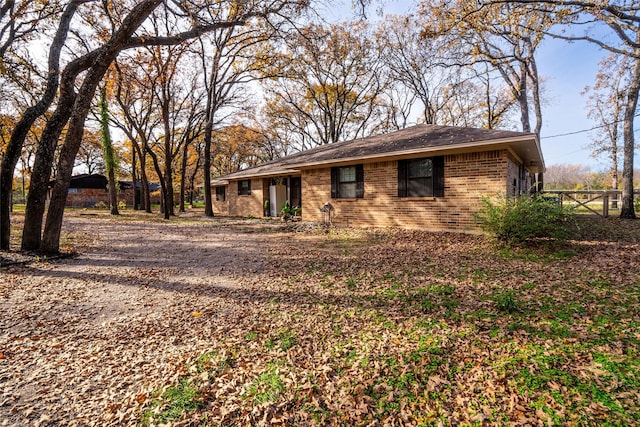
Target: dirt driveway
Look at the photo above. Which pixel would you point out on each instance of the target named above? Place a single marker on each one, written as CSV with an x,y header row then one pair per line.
x,y
82,338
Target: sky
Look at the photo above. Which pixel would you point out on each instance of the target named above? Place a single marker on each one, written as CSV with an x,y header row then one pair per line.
x,y
566,69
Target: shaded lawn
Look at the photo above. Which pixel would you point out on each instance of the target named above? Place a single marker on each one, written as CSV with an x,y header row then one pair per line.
x,y
412,328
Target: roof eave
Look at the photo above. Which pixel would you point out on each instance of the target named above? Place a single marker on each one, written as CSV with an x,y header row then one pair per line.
x,y
521,144
265,174
462,147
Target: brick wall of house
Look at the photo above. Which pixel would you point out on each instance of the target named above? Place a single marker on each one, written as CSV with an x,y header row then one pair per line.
x,y
514,183
220,207
467,178
246,205
89,197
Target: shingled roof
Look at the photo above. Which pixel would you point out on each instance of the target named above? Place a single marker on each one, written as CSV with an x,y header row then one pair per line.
x,y
403,143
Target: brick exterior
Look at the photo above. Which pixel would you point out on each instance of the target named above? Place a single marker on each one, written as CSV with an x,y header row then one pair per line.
x,y
468,177
245,205
221,207
89,197
519,181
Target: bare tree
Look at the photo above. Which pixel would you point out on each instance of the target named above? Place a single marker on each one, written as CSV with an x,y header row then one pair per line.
x,y
418,63
501,35
606,107
31,114
73,106
137,116
90,153
331,86
565,177
238,56
614,26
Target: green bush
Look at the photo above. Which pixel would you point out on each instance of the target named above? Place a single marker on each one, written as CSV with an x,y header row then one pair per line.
x,y
506,301
517,220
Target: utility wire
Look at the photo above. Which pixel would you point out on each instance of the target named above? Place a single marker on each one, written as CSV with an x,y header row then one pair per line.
x,y
585,130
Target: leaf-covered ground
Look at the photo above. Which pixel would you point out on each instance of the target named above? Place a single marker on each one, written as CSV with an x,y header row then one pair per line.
x,y
216,323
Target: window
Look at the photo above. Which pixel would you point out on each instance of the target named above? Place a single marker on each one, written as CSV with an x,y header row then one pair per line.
x,y
221,195
244,187
347,182
74,191
421,177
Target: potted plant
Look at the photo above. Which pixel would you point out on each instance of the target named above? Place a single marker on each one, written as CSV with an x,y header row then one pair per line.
x,y
288,212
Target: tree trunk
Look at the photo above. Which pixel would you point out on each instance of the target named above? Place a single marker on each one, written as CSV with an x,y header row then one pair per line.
x,y
43,163
168,195
208,202
193,179
614,175
109,154
113,192
136,201
627,210
16,142
535,80
104,57
183,174
163,183
523,100
168,158
144,182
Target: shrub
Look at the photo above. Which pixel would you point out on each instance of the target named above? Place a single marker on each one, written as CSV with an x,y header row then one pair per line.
x,y
506,301
518,220
288,212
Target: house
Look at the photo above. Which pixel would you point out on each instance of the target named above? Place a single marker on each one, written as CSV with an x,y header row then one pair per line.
x,y
426,176
154,192
85,191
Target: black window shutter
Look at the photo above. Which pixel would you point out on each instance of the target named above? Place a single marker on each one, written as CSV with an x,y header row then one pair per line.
x,y
334,183
249,187
239,188
402,178
438,176
359,181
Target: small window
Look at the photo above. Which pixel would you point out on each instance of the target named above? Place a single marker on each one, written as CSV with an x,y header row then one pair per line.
x,y
347,182
221,194
421,177
74,191
244,187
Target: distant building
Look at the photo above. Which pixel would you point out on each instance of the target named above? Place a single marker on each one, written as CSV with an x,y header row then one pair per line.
x,y
85,191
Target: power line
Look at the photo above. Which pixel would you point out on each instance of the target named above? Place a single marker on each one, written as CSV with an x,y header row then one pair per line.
x,y
586,130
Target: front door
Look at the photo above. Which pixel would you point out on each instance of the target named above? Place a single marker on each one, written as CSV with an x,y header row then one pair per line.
x,y
295,191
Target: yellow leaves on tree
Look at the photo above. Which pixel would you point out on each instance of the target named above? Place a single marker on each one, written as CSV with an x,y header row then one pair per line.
x,y
236,146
